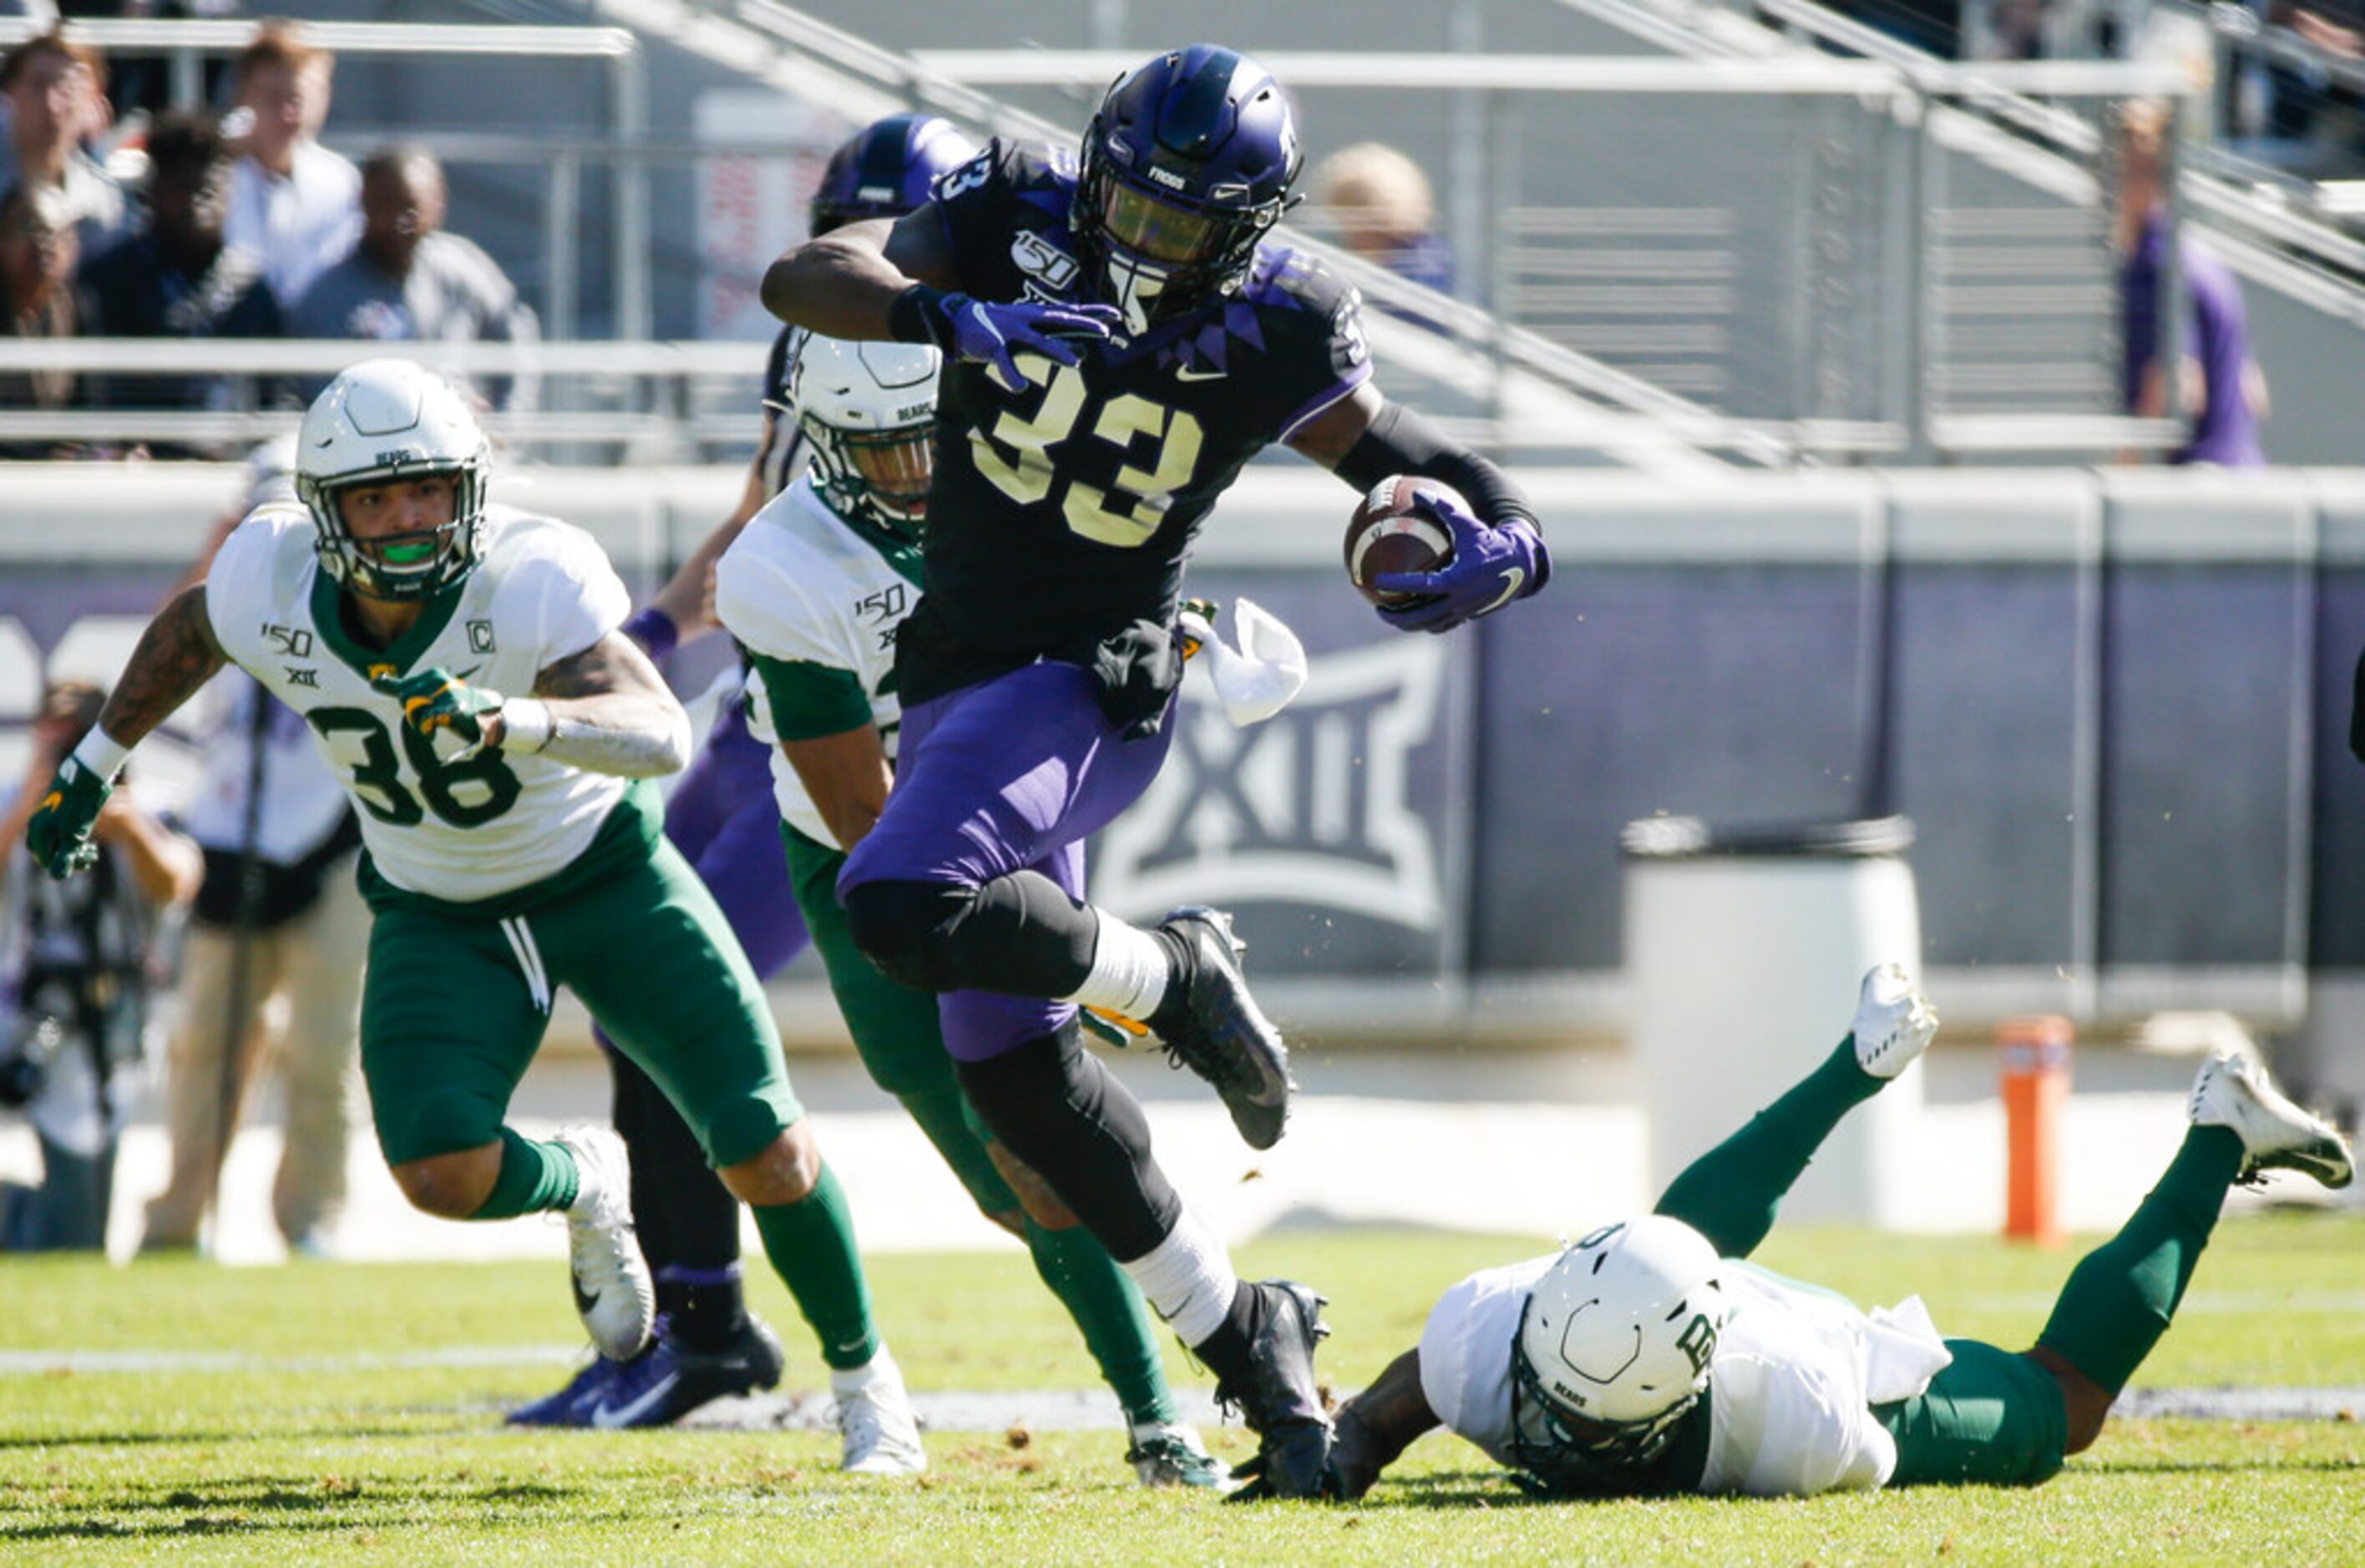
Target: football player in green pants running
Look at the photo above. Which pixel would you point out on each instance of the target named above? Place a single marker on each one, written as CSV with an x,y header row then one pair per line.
x,y
1649,1359
815,590
510,850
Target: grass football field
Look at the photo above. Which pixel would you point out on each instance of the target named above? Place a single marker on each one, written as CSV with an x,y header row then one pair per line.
x,y
327,1412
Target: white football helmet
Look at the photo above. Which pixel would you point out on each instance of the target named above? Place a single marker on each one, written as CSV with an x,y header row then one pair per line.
x,y
870,412
1614,1345
386,420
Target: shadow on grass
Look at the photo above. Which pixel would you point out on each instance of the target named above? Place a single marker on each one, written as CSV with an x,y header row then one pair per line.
x,y
2326,1464
330,1427
284,1505
1458,1489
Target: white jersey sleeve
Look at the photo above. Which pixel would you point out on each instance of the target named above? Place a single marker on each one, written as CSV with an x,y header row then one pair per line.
x,y
557,581
779,596
802,586
1465,1354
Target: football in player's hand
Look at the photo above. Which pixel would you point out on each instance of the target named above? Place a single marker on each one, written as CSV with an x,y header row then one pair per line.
x,y
1393,531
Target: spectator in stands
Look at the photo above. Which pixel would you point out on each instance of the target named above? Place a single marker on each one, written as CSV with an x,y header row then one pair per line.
x,y
177,277
292,201
408,281
271,971
55,92
2216,384
76,974
1381,202
38,251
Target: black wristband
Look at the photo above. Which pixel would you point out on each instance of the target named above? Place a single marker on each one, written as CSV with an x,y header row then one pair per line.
x,y
918,317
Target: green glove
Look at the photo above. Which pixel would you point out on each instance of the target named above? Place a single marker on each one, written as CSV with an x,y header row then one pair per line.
x,y
58,834
436,700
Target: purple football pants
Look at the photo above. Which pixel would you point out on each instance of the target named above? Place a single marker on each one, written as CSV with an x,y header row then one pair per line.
x,y
1007,775
723,819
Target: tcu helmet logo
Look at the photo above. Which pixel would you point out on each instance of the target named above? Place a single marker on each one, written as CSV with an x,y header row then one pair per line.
x,y
1311,807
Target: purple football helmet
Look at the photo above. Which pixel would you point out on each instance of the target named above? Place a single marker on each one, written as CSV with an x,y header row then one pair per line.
x,y
887,169
1188,161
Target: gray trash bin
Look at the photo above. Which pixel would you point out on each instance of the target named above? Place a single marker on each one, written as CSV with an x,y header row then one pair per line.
x,y
1744,949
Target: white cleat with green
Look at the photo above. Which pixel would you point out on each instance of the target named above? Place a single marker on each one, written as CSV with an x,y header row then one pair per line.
x,y
2233,1091
1894,1022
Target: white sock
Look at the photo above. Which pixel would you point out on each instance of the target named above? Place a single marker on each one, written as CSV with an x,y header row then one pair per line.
x,y
1130,971
1188,1277
854,1380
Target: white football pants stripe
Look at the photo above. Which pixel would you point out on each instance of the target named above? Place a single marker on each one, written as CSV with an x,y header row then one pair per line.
x,y
529,959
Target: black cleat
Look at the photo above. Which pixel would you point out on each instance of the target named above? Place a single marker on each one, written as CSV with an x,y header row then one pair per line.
x,y
1278,1397
1217,1030
670,1380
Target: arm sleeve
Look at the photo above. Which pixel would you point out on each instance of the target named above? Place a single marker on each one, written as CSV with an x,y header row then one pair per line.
x,y
1401,441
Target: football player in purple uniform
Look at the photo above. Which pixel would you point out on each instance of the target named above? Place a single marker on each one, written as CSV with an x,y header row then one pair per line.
x,y
724,819
1119,340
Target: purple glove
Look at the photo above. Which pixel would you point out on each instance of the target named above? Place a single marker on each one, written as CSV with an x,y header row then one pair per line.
x,y
1491,566
995,335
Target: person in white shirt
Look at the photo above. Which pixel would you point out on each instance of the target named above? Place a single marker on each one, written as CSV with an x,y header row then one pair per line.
x,y
292,201
1650,1360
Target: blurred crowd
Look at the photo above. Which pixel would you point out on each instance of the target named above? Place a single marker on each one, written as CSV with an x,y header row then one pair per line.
x,y
231,222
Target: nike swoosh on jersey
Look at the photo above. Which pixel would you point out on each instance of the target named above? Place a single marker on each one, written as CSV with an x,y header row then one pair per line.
x,y
1514,579
1193,373
624,1415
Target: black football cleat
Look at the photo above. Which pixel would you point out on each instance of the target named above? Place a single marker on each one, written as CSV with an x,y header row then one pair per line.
x,y
669,1379
1218,1031
1278,1398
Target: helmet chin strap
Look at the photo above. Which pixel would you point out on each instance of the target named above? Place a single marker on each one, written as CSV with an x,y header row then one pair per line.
x,y
1134,286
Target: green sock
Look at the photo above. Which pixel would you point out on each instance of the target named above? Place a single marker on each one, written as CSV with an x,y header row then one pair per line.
x,y
1109,1310
2119,1298
1730,1193
535,1176
811,1244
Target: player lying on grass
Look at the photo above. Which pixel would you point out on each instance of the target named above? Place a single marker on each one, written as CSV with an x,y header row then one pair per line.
x,y
721,816
509,852
1649,1359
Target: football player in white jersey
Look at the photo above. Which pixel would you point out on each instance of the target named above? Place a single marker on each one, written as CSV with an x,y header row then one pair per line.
x,y
460,665
1649,1359
815,590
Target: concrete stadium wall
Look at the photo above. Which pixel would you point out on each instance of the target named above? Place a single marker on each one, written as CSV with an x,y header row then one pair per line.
x,y
2115,705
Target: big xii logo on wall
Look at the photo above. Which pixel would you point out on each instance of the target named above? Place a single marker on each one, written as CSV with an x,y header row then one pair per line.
x,y
1323,826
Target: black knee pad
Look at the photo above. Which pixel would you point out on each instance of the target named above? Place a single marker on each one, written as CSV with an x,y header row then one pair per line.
x,y
904,928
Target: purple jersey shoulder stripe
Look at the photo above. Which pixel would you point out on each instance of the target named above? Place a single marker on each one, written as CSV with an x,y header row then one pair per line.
x,y
1337,389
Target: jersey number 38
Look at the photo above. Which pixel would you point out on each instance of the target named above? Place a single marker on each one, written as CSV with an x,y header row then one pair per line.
x,y
377,777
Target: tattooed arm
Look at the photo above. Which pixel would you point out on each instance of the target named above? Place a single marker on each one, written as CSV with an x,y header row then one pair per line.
x,y
176,656
605,710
